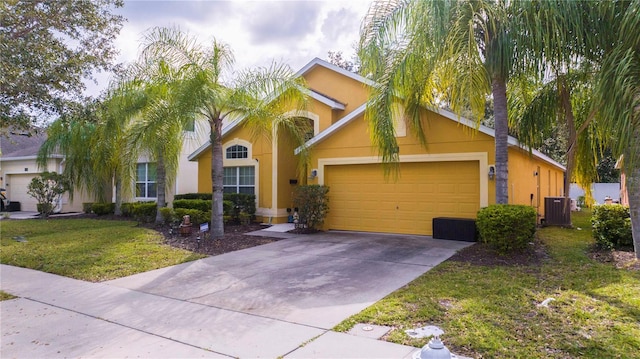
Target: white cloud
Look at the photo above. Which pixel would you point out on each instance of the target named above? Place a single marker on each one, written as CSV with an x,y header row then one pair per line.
x,y
258,32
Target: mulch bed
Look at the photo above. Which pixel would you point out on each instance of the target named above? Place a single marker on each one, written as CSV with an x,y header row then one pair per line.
x,y
235,237
483,255
620,259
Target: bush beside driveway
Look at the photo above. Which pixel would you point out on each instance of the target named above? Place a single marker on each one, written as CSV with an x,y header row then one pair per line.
x,y
492,309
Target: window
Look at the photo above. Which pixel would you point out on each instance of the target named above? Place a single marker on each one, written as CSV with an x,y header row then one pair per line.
x,y
239,180
190,126
146,180
237,151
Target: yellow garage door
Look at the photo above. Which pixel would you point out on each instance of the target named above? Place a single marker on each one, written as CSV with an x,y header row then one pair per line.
x,y
17,191
361,199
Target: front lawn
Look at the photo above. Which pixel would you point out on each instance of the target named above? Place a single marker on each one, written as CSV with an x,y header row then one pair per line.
x,y
493,311
87,249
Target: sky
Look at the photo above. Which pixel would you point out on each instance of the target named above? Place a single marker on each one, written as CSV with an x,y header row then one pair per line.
x,y
258,31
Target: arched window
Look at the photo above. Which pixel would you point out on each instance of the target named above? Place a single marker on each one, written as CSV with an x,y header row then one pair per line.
x,y
237,152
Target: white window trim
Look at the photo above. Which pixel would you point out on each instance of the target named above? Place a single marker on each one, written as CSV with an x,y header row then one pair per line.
x,y
243,162
237,176
135,182
399,120
308,115
238,162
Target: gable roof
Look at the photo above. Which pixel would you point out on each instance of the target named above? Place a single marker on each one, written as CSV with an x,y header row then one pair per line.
x,y
446,114
360,111
319,62
20,145
320,97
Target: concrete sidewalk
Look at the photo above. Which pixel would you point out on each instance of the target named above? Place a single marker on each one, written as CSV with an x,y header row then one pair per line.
x,y
36,215
276,300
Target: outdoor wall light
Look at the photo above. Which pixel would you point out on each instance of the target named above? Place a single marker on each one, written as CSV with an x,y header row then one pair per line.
x,y
314,174
492,172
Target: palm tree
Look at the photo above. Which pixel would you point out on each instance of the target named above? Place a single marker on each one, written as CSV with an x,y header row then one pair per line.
x,y
617,96
424,53
596,67
562,97
263,97
90,139
80,137
146,95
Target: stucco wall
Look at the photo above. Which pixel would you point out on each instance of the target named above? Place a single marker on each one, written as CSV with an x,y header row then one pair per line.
x,y
25,169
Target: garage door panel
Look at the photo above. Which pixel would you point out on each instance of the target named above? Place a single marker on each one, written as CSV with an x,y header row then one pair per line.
x,y
467,188
406,188
469,208
17,191
362,199
447,188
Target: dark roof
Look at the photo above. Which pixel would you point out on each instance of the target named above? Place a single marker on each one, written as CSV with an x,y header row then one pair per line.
x,y
21,143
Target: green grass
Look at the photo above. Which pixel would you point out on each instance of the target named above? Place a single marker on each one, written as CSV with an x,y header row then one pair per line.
x,y
493,312
6,296
87,249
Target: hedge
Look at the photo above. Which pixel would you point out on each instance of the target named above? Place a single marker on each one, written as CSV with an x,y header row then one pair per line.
x,y
611,224
507,227
102,209
237,207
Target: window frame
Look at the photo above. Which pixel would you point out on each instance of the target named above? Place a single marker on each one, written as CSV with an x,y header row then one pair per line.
x,y
237,152
237,186
146,182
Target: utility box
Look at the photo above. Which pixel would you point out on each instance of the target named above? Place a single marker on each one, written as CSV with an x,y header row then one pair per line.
x,y
459,229
557,211
13,207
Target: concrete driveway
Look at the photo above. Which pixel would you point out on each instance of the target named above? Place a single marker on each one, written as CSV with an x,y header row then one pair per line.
x,y
264,301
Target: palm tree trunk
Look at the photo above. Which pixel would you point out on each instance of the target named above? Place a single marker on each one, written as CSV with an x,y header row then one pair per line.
x,y
632,172
499,91
118,207
633,192
160,186
217,179
571,145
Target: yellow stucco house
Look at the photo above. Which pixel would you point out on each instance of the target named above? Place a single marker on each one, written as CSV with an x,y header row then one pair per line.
x,y
451,178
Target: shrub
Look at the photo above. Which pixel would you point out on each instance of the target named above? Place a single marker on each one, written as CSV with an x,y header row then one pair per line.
x,y
144,211
228,207
199,204
102,209
611,225
167,214
507,227
86,207
47,189
45,209
241,203
197,216
313,205
126,209
202,196
237,207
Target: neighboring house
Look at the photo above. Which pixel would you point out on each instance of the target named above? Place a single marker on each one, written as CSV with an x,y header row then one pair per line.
x,y
144,188
18,153
452,178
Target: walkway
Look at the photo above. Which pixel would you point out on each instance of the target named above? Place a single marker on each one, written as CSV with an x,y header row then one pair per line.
x,y
275,300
